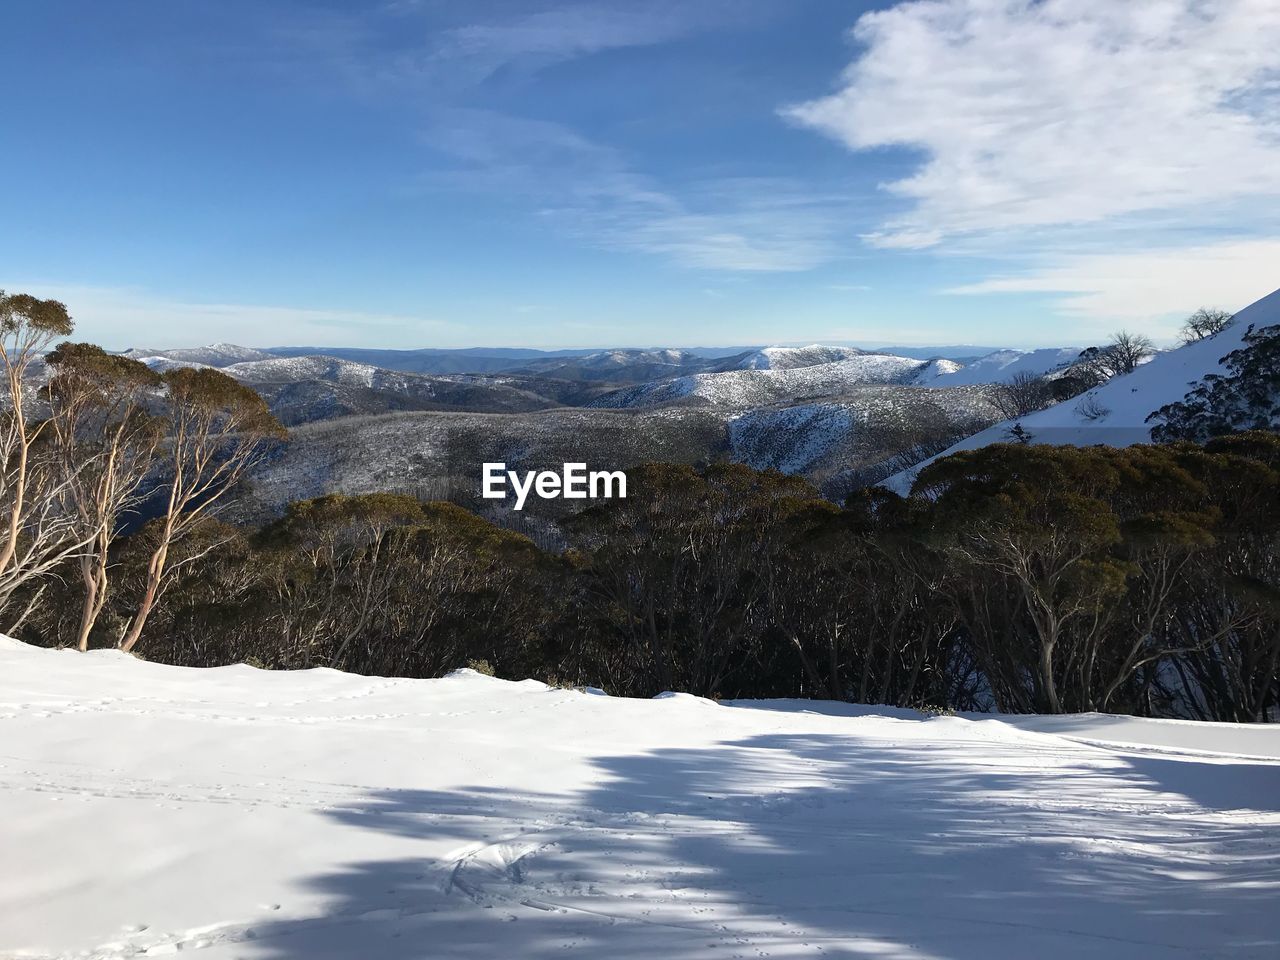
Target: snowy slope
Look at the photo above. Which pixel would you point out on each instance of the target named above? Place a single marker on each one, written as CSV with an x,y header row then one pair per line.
x,y
213,355
747,388
1003,365
1116,413
835,434
162,364
939,371
620,366
153,810
788,358
330,369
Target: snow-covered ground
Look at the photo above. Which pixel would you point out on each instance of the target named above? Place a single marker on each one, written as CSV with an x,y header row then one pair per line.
x,y
148,810
835,433
755,387
1003,365
789,358
213,355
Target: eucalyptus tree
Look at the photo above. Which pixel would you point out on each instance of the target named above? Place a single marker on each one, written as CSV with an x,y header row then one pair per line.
x,y
36,531
218,431
106,431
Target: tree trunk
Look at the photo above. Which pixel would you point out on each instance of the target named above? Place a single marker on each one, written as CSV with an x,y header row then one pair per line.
x,y
155,571
1047,686
94,597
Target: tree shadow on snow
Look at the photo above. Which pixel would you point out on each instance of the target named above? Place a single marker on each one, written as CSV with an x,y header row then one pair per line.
x,y
790,846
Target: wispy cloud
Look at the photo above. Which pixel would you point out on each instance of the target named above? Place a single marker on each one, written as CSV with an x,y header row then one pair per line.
x,y
1035,114
100,313
565,32
437,50
581,187
589,190
1153,291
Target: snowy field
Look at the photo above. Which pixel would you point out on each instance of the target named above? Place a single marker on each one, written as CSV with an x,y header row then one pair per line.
x,y
151,810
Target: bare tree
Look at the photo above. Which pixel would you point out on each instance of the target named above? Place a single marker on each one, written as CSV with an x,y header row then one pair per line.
x,y
1128,351
107,438
219,430
1205,322
1023,394
1124,354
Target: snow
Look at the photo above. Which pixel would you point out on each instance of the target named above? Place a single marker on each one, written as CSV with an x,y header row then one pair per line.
x,y
165,364
747,388
1003,365
839,432
213,355
939,371
292,369
151,810
788,358
1120,407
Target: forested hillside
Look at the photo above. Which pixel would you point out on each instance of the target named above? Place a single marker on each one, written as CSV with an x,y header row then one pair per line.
x,y
1018,576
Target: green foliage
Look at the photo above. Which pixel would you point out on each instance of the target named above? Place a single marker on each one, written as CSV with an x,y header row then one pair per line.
x,y
42,318
1141,580
1247,397
90,363
206,392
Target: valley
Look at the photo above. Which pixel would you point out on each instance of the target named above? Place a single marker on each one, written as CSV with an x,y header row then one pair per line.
x,y
825,413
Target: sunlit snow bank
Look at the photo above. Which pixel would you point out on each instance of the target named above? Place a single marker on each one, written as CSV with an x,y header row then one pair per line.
x,y
148,810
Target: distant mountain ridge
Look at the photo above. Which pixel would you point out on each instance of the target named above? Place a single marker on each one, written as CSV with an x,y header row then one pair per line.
x,y
213,355
787,358
755,386
304,388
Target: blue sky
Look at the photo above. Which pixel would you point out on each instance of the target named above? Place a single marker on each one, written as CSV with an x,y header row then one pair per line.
x,y
639,172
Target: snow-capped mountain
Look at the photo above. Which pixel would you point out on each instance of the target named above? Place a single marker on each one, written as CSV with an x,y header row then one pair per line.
x,y
621,366
1003,365
789,358
329,369
756,387
938,373
306,389
213,355
1115,413
161,364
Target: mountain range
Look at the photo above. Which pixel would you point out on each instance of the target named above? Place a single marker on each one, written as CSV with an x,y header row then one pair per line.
x,y
425,420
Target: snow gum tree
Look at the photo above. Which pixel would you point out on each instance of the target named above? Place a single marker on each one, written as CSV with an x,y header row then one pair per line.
x,y
106,436
677,572
219,430
36,532
1038,519
1245,397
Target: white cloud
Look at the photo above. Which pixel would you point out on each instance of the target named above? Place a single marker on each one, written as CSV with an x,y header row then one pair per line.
x,y
120,318
1034,113
1153,291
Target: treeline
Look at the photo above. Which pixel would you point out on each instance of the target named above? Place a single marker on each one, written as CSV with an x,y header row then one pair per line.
x,y
1028,578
